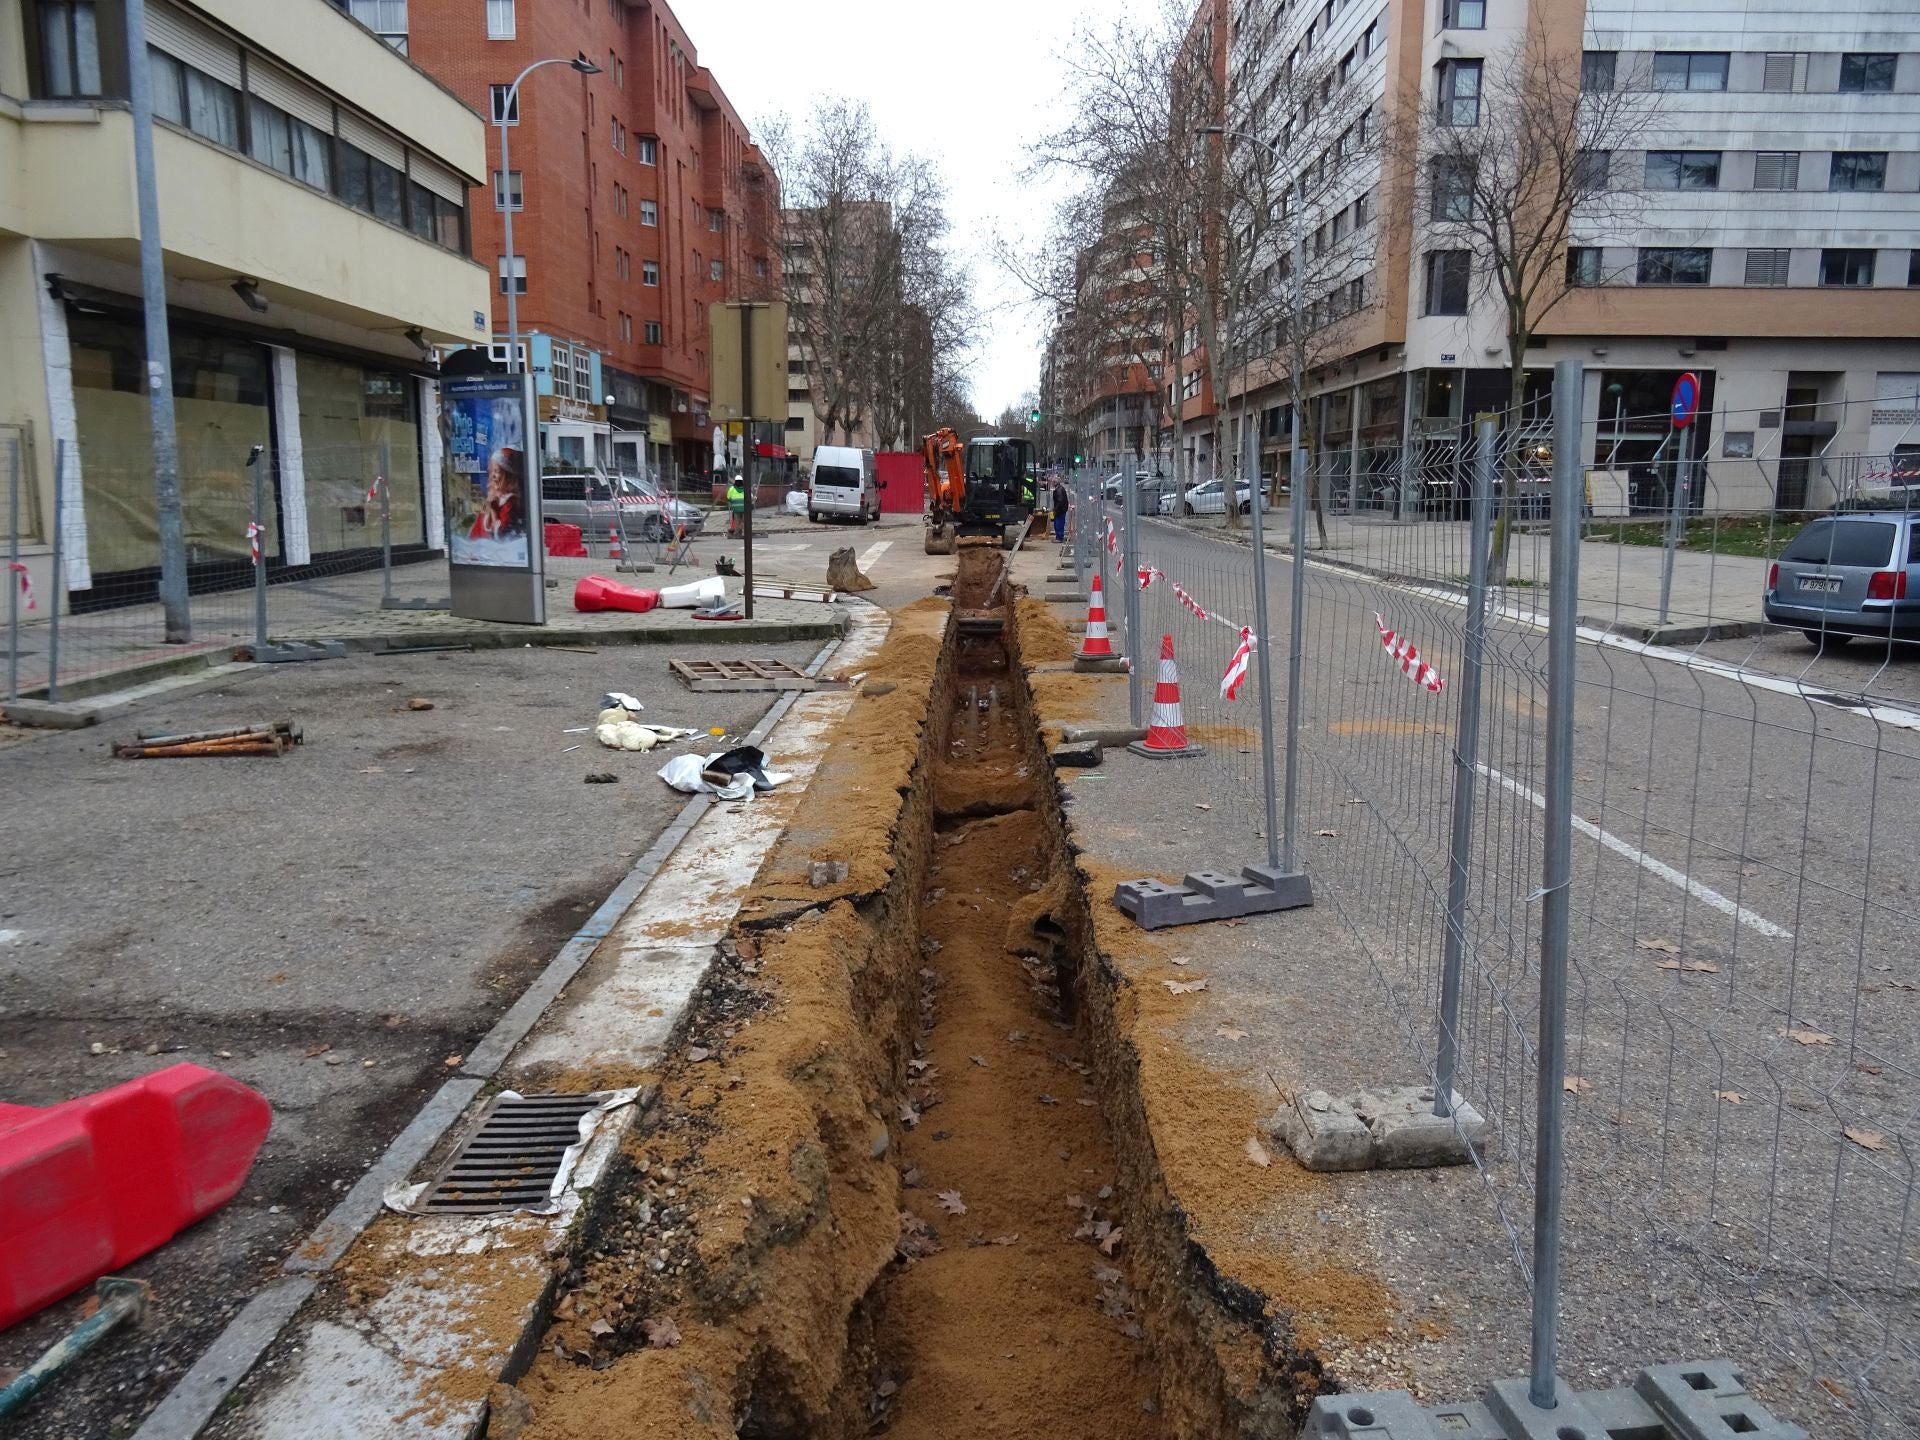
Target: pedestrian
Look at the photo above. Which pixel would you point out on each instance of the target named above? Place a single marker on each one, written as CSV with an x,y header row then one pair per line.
x,y
736,507
1059,511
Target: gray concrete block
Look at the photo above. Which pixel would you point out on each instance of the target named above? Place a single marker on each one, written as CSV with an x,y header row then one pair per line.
x,y
1409,1136
1210,895
1100,664
1324,1134
50,715
1101,734
1078,755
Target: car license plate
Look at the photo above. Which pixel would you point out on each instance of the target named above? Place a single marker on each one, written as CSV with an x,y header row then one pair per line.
x,y
1822,584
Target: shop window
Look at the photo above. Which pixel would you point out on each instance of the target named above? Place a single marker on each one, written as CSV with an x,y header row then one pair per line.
x,y
347,413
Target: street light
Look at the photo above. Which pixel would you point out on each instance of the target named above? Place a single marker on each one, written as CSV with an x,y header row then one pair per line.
x,y
510,106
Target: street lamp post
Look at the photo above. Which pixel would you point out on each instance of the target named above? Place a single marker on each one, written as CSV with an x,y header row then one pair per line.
x,y
510,106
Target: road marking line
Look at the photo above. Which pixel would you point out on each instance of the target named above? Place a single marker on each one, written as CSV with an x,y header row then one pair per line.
x,y
872,553
1705,894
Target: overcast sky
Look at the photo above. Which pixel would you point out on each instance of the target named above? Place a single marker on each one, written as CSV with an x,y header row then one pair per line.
x,y
966,84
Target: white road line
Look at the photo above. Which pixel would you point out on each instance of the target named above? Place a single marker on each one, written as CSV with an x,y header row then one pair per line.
x,y
1704,894
872,553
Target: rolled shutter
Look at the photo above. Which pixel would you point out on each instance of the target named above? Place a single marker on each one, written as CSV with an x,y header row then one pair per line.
x,y
278,88
187,39
437,178
376,143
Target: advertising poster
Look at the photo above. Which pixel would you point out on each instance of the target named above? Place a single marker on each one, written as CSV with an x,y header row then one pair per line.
x,y
486,471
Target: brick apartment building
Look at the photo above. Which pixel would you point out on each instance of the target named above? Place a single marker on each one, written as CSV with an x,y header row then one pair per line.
x,y
640,200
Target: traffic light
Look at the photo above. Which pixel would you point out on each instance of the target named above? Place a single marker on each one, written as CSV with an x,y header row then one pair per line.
x,y
1033,416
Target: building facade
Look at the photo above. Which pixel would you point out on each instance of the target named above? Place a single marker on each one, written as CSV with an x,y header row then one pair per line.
x,y
639,201
1770,247
313,211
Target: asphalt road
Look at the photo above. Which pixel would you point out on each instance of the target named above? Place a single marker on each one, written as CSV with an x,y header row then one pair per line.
x,y
1743,1052
329,927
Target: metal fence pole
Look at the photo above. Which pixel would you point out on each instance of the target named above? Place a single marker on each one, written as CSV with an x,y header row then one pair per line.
x,y
259,538
1676,511
13,571
1262,645
1556,875
1130,580
55,585
1297,500
386,528
1466,761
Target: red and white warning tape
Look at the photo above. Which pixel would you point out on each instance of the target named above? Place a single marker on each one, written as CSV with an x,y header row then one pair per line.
x,y
25,583
254,532
1411,665
1236,677
1148,574
373,490
1113,539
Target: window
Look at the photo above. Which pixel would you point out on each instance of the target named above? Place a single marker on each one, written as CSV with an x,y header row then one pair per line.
x,y
1776,170
620,200
1357,293
1596,70
716,220
516,266
649,210
290,146
1866,74
1340,222
1767,267
69,48
192,98
1459,92
507,191
626,327
369,184
1683,169
1913,267
647,152
760,267
1784,71
1463,14
1846,267
1362,211
500,19
1583,264
386,18
716,271
1858,170
1689,70
622,264
1375,37
1447,276
1590,171
619,71
649,272
650,331
1665,266
619,134
503,104
434,218
1452,188
1843,542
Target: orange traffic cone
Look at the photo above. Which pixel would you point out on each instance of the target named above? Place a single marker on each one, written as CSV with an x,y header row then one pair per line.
x,y
1096,646
614,549
1167,732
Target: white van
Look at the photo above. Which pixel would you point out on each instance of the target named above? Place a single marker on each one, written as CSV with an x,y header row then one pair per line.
x,y
844,485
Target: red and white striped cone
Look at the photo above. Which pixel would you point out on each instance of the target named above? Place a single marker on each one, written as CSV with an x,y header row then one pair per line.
x,y
1096,646
1166,731
614,549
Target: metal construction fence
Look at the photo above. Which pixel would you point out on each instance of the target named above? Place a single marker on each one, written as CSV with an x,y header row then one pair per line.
x,y
1631,866
85,609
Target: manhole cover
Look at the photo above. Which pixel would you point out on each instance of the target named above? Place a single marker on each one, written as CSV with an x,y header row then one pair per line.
x,y
510,1161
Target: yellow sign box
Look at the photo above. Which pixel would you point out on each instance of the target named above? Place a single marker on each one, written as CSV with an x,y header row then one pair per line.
x,y
742,334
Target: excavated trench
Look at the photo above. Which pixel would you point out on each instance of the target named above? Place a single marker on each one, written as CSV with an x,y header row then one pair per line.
x,y
898,1179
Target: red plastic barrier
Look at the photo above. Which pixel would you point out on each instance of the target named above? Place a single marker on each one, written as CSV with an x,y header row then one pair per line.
x,y
92,1184
596,592
564,540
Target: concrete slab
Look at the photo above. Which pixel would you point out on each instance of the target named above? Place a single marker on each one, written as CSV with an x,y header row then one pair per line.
x,y
49,715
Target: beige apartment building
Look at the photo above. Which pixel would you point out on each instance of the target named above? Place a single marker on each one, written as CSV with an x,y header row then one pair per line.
x,y
313,190
1773,249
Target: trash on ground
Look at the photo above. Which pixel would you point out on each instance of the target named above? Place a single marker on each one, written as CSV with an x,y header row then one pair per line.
x,y
603,777
721,609
694,593
622,733
725,566
419,703
729,774
796,502
622,699
256,739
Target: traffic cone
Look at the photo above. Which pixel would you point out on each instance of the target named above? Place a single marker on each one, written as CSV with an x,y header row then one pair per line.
x,y
1096,646
614,549
1166,732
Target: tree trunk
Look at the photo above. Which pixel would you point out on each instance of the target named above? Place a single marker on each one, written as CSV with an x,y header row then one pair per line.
x,y
1509,458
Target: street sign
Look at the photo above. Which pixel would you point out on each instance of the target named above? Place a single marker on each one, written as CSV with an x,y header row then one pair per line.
x,y
1686,400
742,337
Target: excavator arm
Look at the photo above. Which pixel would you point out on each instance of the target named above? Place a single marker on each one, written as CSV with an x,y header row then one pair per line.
x,y
946,479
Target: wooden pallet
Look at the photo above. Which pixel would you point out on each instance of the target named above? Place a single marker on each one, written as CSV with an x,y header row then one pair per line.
x,y
813,593
747,675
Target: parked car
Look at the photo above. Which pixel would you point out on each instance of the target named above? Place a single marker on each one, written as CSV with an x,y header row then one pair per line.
x,y
845,485
1849,574
1209,498
649,511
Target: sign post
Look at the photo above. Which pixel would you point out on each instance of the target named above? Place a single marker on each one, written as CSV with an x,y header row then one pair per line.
x,y
748,358
1683,408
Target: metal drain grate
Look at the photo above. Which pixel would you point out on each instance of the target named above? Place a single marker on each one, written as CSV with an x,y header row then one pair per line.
x,y
510,1161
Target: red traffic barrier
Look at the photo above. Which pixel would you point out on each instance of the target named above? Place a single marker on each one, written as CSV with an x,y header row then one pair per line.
x,y
596,592
564,540
89,1185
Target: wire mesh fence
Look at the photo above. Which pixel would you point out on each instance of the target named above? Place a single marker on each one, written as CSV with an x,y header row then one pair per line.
x,y
1738,1084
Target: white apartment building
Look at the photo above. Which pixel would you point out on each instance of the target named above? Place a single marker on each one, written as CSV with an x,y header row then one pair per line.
x,y
1773,249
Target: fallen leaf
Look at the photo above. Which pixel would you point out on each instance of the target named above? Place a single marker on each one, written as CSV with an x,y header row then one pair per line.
x,y
1111,1242
1185,987
910,1177
916,1240
1257,1153
452,1060
909,1116
1806,1037
1179,959
600,1327
981,1061
916,1066
1732,1097
313,1050
1005,1240
1665,947
1866,1069
1576,1085
278,977
1326,832
1203,807
1048,1100
951,1202
1832,1387
1085,1101
697,1054
662,1334
1014,1037
1229,1032
1865,1139
1694,967
418,704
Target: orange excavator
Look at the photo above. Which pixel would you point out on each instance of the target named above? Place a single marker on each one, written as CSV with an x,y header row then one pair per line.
x,y
986,486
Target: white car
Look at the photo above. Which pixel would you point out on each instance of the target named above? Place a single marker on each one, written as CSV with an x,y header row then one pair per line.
x,y
1208,498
